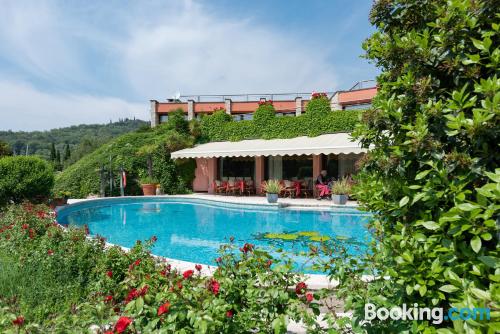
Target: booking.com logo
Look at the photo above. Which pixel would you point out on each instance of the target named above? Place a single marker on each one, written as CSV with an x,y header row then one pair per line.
x,y
435,314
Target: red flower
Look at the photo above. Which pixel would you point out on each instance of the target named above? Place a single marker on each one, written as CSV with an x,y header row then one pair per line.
x,y
269,263
198,267
164,308
218,260
179,285
229,313
26,226
309,297
144,290
109,273
154,238
19,321
108,332
41,214
188,273
163,272
214,286
122,324
133,294
247,248
50,252
137,262
108,299
31,233
300,288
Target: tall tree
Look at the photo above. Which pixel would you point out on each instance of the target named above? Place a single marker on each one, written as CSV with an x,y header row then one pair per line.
x,y
5,149
67,152
432,177
53,154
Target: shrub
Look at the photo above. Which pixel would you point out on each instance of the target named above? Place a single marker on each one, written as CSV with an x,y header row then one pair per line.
x,y
432,177
24,178
67,282
264,114
5,149
341,187
318,106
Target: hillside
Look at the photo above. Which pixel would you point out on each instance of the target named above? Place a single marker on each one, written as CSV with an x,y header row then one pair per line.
x,y
80,138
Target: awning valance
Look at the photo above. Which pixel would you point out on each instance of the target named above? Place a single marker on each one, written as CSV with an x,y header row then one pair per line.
x,y
336,143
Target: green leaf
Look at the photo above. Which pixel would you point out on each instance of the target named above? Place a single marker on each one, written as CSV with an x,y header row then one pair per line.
x,y
422,290
484,295
468,206
489,261
448,288
423,174
475,243
404,201
430,225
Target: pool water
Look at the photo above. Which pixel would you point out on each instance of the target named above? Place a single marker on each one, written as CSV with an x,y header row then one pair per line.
x,y
192,230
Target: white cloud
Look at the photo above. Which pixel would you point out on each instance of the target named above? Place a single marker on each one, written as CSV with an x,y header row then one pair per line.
x,y
147,50
22,107
196,52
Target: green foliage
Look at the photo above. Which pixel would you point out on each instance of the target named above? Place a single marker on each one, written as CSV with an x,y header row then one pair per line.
x,y
264,114
135,152
272,187
5,149
40,142
341,187
221,127
66,282
318,107
25,178
432,178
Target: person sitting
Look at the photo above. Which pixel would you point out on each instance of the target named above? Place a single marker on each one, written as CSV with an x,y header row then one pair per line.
x,y
323,185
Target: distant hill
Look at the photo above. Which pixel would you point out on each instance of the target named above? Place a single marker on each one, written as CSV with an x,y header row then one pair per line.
x,y
81,139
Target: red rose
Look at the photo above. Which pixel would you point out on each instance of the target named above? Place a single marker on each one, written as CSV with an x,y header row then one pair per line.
x,y
164,308
309,297
122,324
179,285
109,273
31,233
26,226
218,260
41,214
214,286
109,332
163,272
108,299
188,273
137,262
19,321
50,252
133,294
144,290
229,313
198,267
300,288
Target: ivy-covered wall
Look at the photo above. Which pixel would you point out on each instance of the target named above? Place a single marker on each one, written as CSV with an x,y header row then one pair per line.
x,y
318,119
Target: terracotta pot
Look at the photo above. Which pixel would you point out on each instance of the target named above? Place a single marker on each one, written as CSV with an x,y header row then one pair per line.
x,y
149,189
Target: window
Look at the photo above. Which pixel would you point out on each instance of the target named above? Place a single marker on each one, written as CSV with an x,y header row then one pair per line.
x,y
357,106
243,117
163,118
286,114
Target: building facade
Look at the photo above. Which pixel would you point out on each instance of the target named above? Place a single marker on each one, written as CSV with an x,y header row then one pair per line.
x,y
242,107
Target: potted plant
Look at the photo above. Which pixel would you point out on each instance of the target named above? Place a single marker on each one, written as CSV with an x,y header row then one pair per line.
x,y
148,184
60,198
340,191
272,188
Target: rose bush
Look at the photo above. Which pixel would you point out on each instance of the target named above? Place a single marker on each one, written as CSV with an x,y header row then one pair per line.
x,y
67,282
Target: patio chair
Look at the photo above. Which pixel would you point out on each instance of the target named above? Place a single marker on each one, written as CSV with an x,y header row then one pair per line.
x,y
248,187
232,186
219,187
307,188
288,188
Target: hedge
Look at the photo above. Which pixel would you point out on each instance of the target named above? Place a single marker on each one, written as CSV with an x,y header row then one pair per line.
x,y
220,126
25,178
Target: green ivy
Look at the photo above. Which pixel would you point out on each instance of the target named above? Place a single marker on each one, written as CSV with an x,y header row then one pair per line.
x,y
221,127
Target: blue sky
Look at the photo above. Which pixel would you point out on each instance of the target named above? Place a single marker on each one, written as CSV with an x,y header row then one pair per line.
x,y
69,62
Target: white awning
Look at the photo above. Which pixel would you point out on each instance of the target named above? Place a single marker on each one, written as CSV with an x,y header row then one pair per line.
x,y
336,143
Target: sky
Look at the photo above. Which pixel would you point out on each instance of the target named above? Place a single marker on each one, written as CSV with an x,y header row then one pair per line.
x,y
71,62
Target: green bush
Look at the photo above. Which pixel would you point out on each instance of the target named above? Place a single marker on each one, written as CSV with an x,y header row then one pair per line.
x,y
5,149
264,114
318,106
68,283
221,127
432,178
25,178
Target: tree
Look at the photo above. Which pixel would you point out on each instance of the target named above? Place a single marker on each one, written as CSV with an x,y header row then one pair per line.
x,y
67,152
432,177
5,149
53,154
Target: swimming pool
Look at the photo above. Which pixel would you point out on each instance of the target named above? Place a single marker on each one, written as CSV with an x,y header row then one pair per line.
x,y
192,230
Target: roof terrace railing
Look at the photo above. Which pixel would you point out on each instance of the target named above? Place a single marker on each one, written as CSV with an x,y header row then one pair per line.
x,y
364,84
246,97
